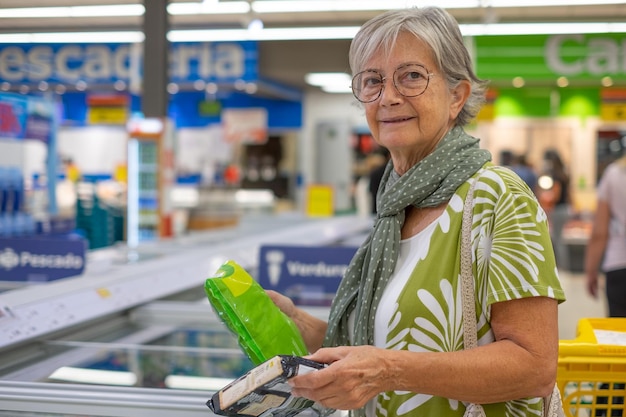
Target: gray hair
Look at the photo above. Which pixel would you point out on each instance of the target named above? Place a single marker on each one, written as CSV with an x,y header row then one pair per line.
x,y
439,30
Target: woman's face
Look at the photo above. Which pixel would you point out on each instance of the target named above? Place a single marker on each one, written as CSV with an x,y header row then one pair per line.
x,y
411,127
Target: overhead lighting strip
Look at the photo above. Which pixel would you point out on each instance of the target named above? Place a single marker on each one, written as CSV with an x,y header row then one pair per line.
x,y
303,6
73,37
267,34
231,7
542,28
279,6
550,3
116,10
303,33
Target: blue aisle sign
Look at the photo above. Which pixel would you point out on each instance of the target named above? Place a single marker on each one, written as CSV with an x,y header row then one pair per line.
x,y
107,62
309,275
41,259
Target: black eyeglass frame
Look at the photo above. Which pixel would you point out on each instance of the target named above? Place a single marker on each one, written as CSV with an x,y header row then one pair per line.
x,y
383,79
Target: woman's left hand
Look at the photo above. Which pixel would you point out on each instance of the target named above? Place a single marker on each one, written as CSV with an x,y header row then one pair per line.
x,y
354,376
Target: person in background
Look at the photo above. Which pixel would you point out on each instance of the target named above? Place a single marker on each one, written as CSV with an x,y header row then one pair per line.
x,y
394,340
376,175
607,244
506,158
525,171
72,172
557,199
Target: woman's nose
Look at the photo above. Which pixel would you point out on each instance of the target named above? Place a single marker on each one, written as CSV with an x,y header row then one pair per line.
x,y
389,94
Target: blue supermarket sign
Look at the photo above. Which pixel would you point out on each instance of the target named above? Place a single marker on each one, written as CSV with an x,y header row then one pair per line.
x,y
26,117
41,259
309,275
106,63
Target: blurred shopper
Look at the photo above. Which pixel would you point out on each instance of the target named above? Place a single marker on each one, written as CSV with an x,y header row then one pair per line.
x,y
606,248
394,341
376,175
525,171
555,198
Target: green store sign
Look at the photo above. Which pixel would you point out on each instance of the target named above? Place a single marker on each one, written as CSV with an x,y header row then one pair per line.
x,y
579,57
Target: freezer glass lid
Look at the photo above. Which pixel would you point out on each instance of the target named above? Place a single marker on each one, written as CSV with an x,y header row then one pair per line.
x,y
181,358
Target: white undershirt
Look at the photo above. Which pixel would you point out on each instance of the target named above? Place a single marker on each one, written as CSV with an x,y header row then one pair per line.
x,y
411,251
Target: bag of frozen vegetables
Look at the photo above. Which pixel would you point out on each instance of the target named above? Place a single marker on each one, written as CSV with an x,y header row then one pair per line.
x,y
262,330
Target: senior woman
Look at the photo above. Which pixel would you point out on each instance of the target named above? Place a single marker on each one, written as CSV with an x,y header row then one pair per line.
x,y
394,340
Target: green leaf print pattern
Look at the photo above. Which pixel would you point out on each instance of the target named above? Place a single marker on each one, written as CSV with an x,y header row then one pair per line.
x,y
514,259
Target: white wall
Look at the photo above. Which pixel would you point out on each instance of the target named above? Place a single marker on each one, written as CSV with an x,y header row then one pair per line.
x,y
94,149
319,106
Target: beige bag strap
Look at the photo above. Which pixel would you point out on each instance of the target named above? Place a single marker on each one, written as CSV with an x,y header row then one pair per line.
x,y
470,334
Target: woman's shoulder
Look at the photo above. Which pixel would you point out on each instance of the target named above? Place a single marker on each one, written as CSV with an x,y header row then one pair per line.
x,y
496,179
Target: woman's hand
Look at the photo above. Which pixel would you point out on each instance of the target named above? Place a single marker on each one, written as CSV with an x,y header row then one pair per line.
x,y
355,375
283,303
311,328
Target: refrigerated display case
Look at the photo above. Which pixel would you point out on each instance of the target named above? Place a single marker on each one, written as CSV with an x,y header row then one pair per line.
x,y
150,166
139,339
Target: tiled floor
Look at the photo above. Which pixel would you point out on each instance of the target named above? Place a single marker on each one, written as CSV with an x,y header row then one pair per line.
x,y
579,304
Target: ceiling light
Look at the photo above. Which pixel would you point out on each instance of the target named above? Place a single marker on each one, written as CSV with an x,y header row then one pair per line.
x,y
255,25
303,6
267,34
337,89
541,28
282,6
74,11
229,7
211,88
301,33
545,182
330,82
172,88
276,6
319,79
607,81
110,10
348,32
539,3
73,37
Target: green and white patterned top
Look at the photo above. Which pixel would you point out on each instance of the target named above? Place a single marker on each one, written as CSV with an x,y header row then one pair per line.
x,y
512,258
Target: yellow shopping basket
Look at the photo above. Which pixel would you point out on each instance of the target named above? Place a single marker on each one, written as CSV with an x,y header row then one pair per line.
x,y
592,369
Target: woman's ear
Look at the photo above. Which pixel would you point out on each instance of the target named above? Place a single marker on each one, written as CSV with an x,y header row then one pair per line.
x,y
459,95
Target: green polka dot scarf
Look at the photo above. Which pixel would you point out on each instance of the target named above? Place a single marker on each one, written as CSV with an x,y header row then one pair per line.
x,y
429,183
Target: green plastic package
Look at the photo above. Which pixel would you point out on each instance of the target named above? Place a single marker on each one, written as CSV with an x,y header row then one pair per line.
x,y
263,331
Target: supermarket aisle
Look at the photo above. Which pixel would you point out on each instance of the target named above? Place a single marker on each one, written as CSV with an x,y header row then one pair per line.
x,y
578,305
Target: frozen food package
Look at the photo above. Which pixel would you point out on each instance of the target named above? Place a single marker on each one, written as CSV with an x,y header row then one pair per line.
x,y
262,330
264,391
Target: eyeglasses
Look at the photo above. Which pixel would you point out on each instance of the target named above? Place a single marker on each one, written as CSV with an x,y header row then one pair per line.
x,y
410,80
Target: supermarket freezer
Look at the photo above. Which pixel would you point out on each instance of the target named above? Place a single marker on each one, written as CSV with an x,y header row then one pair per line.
x,y
152,346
